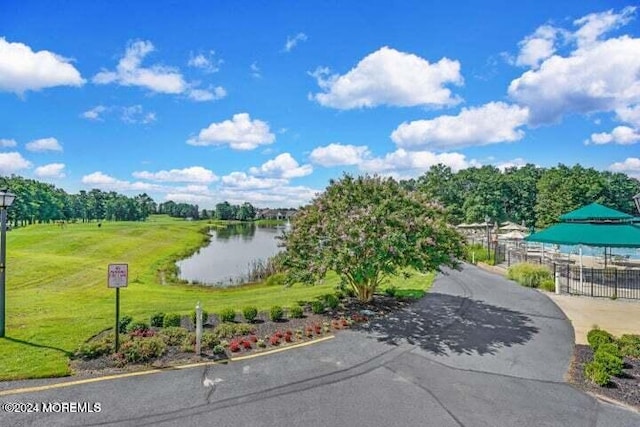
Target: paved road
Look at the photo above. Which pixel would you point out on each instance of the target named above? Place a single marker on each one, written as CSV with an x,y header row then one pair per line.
x,y
477,351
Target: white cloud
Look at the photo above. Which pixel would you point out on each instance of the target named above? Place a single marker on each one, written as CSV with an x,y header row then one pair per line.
x,y
630,115
491,123
594,25
390,77
255,70
630,166
211,94
240,133
52,170
44,144
135,114
282,196
598,76
414,163
514,163
622,135
6,143
106,182
538,46
207,63
283,166
242,181
198,199
94,113
22,69
293,41
12,163
339,155
196,174
129,72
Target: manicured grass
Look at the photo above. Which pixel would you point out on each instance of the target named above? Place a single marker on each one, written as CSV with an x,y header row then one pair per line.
x,y
57,295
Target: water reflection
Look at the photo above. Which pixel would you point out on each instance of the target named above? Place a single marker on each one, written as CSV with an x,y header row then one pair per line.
x,y
232,251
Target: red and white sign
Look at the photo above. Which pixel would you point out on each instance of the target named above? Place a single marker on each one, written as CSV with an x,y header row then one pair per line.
x,y
118,275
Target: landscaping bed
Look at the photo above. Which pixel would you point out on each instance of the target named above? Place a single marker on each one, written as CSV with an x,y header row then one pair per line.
x,y
143,346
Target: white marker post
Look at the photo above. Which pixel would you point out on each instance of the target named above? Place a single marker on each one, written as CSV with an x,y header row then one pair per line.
x,y
198,329
118,277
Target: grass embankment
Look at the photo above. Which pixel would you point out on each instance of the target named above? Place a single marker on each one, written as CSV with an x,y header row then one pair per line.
x,y
57,295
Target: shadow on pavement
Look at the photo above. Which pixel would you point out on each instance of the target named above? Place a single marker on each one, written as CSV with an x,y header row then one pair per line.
x,y
442,323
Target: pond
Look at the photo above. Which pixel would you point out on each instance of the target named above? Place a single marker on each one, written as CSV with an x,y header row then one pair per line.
x,y
230,254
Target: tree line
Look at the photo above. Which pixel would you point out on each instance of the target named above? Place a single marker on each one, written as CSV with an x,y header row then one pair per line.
x,y
531,195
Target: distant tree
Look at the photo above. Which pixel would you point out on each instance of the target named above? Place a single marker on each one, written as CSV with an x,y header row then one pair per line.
x,y
366,229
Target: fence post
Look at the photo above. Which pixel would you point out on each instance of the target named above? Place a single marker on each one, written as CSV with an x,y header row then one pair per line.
x,y
592,280
568,271
615,286
556,278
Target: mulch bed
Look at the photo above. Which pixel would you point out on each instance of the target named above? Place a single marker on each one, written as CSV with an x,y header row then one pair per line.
x,y
263,327
625,389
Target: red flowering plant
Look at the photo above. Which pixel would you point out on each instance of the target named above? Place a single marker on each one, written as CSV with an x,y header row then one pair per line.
x,y
234,345
274,340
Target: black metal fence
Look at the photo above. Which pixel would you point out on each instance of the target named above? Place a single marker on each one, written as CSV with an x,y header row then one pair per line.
x,y
609,282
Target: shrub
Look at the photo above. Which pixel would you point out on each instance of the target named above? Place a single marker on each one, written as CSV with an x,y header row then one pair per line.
x,y
209,341
173,335
157,320
529,275
629,345
331,301
205,317
95,349
390,291
548,285
317,307
278,279
611,348
137,326
218,349
596,337
171,320
250,314
276,313
124,323
189,343
597,373
610,362
228,315
230,330
478,253
261,344
234,345
296,312
142,350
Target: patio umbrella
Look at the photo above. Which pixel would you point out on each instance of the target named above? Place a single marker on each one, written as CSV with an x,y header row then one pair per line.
x,y
513,227
513,235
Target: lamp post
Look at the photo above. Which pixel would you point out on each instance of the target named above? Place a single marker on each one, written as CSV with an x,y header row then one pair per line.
x,y
6,199
486,223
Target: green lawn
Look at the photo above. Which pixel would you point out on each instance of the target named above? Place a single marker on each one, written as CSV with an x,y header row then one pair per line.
x,y
57,296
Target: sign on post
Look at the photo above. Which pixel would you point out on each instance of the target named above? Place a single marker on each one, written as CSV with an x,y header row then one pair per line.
x,y
118,277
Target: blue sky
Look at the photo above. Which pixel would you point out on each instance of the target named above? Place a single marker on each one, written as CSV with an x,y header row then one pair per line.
x,y
265,101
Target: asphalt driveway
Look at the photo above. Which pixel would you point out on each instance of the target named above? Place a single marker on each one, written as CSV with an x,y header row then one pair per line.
x,y
477,351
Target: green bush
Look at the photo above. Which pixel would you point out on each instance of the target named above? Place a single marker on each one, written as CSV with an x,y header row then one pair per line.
x,y
230,330
97,348
629,345
137,326
610,362
331,301
157,320
250,314
296,312
317,307
529,275
391,291
218,350
548,285
209,341
278,279
171,320
597,337
173,335
478,253
228,315
205,317
597,373
611,348
276,313
189,343
142,350
124,323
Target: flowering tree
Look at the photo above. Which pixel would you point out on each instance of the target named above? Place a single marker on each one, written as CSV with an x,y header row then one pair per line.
x,y
365,229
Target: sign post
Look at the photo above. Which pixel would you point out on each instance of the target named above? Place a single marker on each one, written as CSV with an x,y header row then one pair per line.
x,y
118,277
